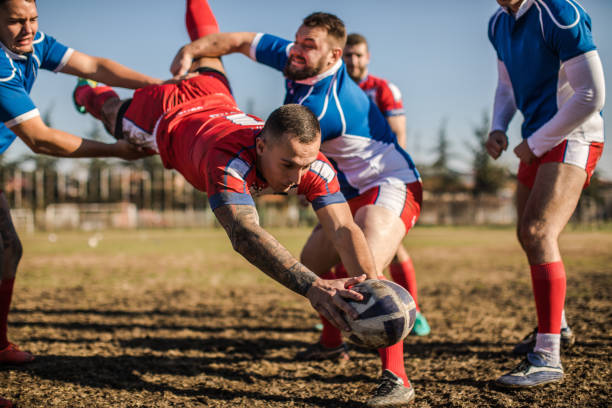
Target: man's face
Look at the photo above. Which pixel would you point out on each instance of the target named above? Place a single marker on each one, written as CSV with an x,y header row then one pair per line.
x,y
313,53
511,4
356,57
18,25
285,161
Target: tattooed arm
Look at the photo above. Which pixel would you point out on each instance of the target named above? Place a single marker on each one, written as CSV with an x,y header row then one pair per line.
x,y
266,253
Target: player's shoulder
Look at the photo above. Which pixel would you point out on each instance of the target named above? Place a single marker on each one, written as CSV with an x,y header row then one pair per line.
x,y
7,65
494,19
322,168
563,14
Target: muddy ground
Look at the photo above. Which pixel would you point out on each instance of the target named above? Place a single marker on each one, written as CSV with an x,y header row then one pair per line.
x,y
110,333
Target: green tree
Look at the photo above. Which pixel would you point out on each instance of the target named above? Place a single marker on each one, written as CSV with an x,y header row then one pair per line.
x,y
488,177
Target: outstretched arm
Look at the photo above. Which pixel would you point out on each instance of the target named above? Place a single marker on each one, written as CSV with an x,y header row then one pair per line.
x,y
106,71
45,140
212,45
337,222
266,253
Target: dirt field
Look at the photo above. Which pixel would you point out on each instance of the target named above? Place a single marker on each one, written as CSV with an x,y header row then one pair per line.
x,y
176,319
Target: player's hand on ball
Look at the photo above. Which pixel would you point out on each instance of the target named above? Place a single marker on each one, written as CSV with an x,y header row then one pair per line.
x,y
524,153
496,143
181,62
326,297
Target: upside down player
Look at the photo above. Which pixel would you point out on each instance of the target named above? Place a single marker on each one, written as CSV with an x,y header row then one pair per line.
x,y
376,175
561,96
25,50
198,130
388,98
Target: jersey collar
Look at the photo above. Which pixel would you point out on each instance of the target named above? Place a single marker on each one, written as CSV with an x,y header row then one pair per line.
x,y
11,54
524,7
313,80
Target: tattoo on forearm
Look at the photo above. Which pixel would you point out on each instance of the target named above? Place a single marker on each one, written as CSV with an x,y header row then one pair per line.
x,y
262,249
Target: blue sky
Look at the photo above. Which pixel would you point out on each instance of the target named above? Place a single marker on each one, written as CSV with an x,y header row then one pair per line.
x,y
436,52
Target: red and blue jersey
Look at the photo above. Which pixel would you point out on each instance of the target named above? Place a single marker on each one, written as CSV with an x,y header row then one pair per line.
x,y
384,94
17,75
212,144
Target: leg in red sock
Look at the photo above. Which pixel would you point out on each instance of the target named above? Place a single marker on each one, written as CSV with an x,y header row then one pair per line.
x,y
93,98
403,274
549,291
6,293
200,19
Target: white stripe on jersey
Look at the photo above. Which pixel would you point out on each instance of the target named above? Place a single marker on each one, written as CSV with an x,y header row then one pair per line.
x,y
64,60
22,118
238,168
577,153
324,170
366,162
253,49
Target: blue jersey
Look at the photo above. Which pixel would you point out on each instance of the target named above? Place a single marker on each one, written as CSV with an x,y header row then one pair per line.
x,y
356,137
17,76
533,45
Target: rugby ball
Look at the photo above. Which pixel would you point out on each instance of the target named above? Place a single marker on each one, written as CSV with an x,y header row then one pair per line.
x,y
386,314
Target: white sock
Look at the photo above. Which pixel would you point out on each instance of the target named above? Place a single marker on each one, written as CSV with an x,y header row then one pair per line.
x,y
563,321
548,346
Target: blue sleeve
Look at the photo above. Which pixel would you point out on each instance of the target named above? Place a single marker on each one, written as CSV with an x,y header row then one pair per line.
x,y
54,54
272,51
6,138
14,101
568,29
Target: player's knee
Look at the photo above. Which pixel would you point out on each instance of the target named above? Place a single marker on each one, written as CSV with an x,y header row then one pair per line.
x,y
534,234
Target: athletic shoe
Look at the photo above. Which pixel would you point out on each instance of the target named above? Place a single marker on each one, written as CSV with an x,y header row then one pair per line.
x,y
391,392
531,372
4,403
82,82
421,327
12,355
528,343
317,352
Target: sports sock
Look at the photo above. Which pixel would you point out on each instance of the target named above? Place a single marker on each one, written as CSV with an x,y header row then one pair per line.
x,y
548,346
563,321
549,291
341,271
403,274
6,293
93,98
200,19
392,359
331,337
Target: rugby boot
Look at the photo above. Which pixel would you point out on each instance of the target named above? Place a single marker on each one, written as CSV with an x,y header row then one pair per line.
x,y
421,327
12,355
531,372
528,343
317,352
82,82
391,392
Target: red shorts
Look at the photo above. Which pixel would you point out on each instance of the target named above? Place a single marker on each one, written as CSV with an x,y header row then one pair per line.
x,y
150,103
582,154
405,201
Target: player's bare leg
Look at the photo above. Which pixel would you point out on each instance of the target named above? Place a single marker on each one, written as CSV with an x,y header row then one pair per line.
x,y
543,213
10,255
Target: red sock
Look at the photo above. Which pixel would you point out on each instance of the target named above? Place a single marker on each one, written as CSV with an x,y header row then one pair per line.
x,y
341,271
93,98
403,274
331,337
549,290
200,19
6,292
392,359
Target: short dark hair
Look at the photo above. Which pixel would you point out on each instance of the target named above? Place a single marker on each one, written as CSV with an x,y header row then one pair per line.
x,y
293,119
333,25
354,39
